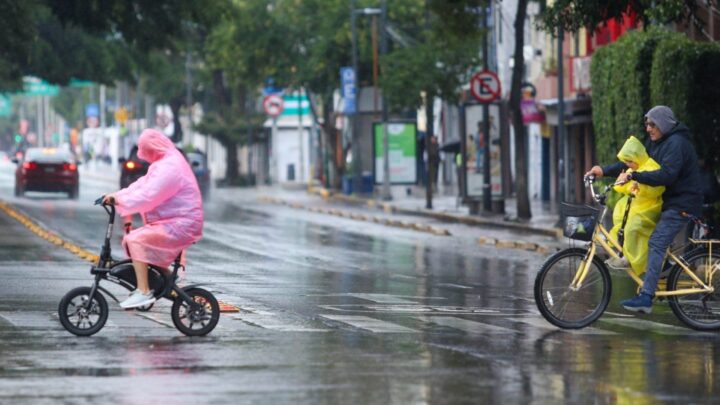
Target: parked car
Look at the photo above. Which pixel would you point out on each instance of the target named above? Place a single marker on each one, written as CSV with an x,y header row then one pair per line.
x,y
133,168
47,169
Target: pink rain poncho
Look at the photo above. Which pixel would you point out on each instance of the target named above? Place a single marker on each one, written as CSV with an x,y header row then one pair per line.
x,y
167,197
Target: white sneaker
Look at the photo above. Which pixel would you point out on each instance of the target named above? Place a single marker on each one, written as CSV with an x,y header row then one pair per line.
x,y
618,263
138,299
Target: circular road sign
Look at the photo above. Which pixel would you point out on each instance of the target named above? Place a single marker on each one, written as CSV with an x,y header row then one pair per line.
x,y
273,105
485,86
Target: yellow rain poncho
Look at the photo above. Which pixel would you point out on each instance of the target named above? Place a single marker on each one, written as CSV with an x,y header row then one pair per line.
x,y
645,208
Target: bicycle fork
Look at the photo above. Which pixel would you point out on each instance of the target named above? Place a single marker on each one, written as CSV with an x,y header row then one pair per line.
x,y
582,271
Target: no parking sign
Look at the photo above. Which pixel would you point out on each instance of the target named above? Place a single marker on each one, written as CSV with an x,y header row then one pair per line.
x,y
485,86
273,105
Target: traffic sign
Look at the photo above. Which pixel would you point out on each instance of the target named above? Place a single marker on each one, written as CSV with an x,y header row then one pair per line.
x,y
273,105
348,90
485,86
122,115
37,87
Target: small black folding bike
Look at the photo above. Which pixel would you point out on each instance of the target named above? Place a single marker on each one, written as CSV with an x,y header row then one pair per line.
x,y
84,310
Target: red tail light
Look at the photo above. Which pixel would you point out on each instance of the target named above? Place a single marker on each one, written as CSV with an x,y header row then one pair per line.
x,y
29,165
71,167
130,165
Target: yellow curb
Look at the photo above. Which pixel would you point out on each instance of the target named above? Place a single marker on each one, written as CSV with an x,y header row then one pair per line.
x,y
526,245
505,244
48,236
371,203
484,240
439,231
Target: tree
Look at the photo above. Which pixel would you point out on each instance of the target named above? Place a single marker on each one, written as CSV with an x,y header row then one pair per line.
x,y
240,51
62,39
521,190
572,15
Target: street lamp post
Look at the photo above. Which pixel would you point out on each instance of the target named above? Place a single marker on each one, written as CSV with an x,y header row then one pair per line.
x,y
386,153
356,162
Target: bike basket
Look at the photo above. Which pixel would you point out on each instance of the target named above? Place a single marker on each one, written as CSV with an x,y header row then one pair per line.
x,y
578,221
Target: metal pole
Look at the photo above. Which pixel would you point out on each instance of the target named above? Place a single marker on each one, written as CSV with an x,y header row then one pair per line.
x,y
561,120
386,195
188,98
357,167
487,199
301,175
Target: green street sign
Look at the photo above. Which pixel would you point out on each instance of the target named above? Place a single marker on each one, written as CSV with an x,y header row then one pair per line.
x,y
37,87
80,83
5,106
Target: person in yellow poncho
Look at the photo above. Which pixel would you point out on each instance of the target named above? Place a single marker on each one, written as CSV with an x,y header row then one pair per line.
x,y
645,208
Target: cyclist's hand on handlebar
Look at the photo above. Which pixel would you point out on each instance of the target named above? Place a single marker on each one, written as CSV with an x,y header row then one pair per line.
x,y
596,171
108,199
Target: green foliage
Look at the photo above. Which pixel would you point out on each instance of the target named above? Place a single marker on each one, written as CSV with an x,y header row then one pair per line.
x,y
575,14
656,67
685,78
620,75
443,59
16,35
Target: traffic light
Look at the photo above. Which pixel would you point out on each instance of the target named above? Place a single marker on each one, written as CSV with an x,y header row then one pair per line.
x,y
18,138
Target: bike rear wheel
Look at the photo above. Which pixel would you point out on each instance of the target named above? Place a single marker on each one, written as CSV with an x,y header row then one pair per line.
x,y
78,317
572,308
699,311
197,322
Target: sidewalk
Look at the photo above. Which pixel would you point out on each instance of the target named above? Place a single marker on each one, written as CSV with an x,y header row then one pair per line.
x,y
446,208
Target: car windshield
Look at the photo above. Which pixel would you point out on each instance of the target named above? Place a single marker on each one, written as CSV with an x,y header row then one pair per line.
x,y
49,155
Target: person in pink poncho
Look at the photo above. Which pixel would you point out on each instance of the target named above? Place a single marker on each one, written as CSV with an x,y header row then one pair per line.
x,y
169,201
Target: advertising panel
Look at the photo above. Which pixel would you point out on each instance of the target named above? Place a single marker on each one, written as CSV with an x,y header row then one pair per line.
x,y
402,148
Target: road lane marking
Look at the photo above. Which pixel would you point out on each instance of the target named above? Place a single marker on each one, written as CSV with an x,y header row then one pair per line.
x,y
369,324
465,325
424,309
273,322
380,298
541,323
648,326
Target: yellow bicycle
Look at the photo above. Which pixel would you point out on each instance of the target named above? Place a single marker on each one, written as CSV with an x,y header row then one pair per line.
x,y
573,286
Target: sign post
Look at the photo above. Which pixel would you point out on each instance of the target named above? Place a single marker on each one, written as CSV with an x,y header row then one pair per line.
x,y
273,105
485,87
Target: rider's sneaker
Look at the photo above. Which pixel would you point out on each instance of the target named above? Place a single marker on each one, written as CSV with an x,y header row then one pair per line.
x,y
138,299
640,303
618,263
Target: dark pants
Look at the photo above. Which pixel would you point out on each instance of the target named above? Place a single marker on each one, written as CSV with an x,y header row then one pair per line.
x,y
670,224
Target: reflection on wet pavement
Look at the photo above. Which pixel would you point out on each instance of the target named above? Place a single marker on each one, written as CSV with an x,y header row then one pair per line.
x,y
335,312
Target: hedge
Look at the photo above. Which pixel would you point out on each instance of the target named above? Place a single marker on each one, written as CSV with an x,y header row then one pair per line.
x,y
686,77
620,75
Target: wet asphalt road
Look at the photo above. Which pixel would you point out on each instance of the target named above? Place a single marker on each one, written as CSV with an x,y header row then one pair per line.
x,y
332,311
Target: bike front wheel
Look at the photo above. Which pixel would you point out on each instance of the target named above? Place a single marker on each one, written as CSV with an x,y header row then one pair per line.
x,y
700,311
566,307
80,315
198,321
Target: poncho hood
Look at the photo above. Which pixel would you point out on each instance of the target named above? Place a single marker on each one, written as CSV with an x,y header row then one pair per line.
x,y
633,151
153,145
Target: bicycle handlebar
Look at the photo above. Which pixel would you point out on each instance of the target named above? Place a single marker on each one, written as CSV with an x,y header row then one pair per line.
x,y
110,210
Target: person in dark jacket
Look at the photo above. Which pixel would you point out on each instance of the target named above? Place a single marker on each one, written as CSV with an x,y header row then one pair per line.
x,y
669,145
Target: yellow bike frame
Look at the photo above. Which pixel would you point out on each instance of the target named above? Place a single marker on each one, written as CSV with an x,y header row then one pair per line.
x,y
602,237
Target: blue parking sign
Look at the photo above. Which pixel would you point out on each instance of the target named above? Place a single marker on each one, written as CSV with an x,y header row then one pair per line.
x,y
348,90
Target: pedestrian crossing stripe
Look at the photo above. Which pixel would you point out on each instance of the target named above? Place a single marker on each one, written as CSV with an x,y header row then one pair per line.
x,y
369,324
648,326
